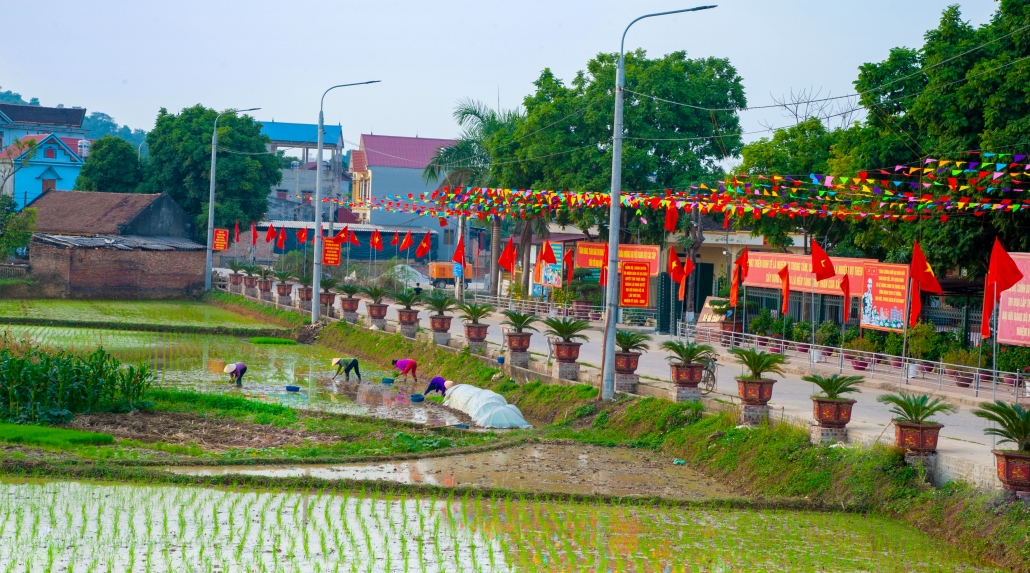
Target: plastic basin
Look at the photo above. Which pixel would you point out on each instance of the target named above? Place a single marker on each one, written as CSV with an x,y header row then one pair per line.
x,y
293,388
417,398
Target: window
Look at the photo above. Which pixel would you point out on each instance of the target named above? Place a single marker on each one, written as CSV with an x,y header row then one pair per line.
x,y
50,153
448,236
49,184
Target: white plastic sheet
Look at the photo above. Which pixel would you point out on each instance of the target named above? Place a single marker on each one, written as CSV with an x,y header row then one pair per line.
x,y
486,407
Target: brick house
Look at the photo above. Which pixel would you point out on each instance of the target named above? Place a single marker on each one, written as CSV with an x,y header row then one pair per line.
x,y
115,245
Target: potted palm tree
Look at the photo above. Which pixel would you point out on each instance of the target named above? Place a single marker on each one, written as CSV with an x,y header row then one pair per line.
x,y
349,303
1013,422
407,316
630,344
520,322
831,409
755,389
439,303
376,308
326,297
568,331
237,268
914,428
250,281
283,288
687,361
472,312
305,291
264,283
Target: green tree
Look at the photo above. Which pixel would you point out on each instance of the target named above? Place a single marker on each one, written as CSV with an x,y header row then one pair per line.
x,y
16,227
98,124
112,166
180,161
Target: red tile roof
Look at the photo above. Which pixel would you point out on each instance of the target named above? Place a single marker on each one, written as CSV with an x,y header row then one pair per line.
x,y
392,151
70,116
87,212
71,142
358,161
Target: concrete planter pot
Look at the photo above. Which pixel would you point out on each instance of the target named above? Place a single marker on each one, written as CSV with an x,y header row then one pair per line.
x,y
859,364
519,341
580,308
407,316
327,298
729,329
801,347
377,311
755,392
687,375
832,413
627,362
896,362
566,352
283,289
475,332
921,438
250,282
235,279
264,286
1013,469
305,293
962,378
349,304
441,323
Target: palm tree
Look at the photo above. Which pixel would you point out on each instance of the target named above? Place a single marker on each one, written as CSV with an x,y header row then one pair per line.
x,y
835,386
630,341
519,321
686,352
915,409
759,363
1013,422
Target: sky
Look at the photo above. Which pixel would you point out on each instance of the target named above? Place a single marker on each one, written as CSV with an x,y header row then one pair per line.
x,y
129,59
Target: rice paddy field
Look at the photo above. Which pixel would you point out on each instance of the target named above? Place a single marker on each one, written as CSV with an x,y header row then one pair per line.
x,y
173,313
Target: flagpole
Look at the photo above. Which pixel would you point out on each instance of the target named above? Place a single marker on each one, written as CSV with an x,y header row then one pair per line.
x,y
904,335
811,347
994,354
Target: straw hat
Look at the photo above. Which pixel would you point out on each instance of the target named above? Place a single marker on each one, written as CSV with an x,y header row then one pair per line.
x,y
229,368
336,361
448,384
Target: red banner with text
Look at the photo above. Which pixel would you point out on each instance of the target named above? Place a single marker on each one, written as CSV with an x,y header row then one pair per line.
x,y
220,241
1014,307
636,284
763,269
331,253
884,296
591,255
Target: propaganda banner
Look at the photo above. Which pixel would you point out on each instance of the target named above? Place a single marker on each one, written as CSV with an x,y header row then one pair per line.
x,y
763,269
635,290
220,241
884,294
591,255
1014,307
331,253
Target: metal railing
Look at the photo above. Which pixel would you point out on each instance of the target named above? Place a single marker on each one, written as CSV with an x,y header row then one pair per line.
x,y
628,316
909,372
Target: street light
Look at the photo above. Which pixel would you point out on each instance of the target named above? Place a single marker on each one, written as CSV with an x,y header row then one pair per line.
x,y
612,301
317,282
211,198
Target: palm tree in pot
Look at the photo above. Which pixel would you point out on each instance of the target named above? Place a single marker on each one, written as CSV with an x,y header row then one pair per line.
x,y
914,428
376,308
472,312
283,288
568,331
327,297
831,409
1013,422
688,361
630,344
349,303
237,268
250,281
439,303
305,289
755,389
520,322
265,275
407,315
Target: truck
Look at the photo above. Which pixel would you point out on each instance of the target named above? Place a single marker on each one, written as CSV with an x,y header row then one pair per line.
x,y
442,274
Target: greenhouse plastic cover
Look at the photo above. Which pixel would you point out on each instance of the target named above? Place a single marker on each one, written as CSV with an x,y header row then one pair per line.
x,y
486,407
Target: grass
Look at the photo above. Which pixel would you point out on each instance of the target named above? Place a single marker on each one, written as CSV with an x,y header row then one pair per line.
x,y
180,313
271,340
51,437
240,306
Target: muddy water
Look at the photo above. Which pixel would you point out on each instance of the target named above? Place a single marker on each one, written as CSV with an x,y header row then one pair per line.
x,y
579,469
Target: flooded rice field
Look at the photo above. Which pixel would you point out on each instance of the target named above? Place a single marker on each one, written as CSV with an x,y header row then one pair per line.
x,y
562,468
167,312
81,527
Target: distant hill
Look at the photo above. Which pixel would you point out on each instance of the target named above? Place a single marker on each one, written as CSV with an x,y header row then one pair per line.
x,y
97,123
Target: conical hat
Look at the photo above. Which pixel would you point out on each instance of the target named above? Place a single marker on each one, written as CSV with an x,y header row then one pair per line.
x,y
230,368
336,361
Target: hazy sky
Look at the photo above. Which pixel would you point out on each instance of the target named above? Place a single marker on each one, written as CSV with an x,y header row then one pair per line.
x,y
129,59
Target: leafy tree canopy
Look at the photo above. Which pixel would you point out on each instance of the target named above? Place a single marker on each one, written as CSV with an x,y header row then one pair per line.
x,y
16,227
112,166
98,124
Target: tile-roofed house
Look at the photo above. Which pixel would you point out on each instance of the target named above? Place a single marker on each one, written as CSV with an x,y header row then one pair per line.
x,y
409,152
54,163
97,213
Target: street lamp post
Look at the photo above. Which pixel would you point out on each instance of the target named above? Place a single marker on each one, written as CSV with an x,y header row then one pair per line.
x,y
211,197
316,284
612,300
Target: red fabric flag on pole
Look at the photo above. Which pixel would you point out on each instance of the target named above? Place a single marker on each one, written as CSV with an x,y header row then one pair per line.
x,y
923,279
354,239
742,262
406,243
423,247
734,288
675,267
845,287
396,238
547,254
280,243
785,293
342,236
604,266
302,236
1002,275
459,252
270,234
688,268
507,259
822,266
236,233
672,216
377,240
253,234
569,259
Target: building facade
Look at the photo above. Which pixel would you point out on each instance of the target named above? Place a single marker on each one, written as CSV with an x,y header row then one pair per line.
x,y
292,199
61,149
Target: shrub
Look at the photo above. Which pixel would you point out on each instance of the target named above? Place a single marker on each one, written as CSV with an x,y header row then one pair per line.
x,y
922,342
828,334
861,344
893,344
760,324
802,332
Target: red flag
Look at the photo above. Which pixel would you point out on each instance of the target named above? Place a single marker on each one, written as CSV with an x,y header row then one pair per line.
x,y
785,293
443,221
302,236
688,268
734,297
845,287
281,242
822,266
377,240
547,254
354,239
672,216
675,267
270,233
423,247
459,252
1002,275
923,279
343,236
236,233
396,238
507,259
742,262
406,243
569,260
253,234
604,266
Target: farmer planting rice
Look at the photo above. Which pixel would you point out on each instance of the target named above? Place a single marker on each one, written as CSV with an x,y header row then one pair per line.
x,y
346,365
406,366
236,371
437,384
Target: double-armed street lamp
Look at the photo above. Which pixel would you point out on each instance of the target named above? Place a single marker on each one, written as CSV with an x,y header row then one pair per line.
x,y
611,294
211,198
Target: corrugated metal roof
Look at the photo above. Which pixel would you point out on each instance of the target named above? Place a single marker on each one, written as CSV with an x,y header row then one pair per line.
x,y
119,242
337,227
393,151
300,133
70,116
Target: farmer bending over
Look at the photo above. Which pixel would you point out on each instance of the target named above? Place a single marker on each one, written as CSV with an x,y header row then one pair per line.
x,y
407,366
437,384
346,365
236,371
